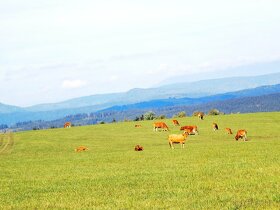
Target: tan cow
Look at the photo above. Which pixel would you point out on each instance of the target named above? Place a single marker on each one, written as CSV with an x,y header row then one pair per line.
x,y
138,126
177,139
241,134
175,123
160,125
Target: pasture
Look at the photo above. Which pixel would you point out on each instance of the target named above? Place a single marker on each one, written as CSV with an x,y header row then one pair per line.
x,y
41,170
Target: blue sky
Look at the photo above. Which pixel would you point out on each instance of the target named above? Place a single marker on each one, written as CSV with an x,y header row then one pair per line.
x,y
56,50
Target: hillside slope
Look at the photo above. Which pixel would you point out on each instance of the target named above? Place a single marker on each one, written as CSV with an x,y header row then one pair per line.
x,y
214,171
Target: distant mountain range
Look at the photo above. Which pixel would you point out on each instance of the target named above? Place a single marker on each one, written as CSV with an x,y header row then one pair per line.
x,y
179,90
172,95
154,104
25,115
263,103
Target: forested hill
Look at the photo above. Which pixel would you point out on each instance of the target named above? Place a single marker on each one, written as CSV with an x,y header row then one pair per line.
x,y
264,103
161,103
23,115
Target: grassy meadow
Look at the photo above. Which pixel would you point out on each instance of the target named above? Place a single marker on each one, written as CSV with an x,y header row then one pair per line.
x,y
41,170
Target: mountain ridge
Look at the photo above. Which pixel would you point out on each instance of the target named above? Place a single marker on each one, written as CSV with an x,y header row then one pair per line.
x,y
195,89
10,118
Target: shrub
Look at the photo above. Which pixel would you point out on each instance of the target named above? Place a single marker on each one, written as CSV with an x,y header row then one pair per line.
x,y
214,112
149,116
161,117
180,114
195,113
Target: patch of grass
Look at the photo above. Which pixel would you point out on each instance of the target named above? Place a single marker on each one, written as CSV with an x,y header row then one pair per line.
x,y
213,172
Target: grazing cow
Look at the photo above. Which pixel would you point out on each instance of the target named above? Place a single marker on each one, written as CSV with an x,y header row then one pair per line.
x,y
67,125
138,148
81,148
241,134
160,125
228,130
175,122
138,126
190,129
177,139
215,126
200,115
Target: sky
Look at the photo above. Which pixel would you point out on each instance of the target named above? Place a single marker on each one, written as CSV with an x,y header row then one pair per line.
x,y
55,50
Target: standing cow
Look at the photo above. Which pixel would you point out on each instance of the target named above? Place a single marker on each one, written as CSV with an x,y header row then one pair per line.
x,y
228,130
200,115
67,125
175,123
177,139
160,125
190,129
215,126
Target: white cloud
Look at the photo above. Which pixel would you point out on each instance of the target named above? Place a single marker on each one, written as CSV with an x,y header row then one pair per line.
x,y
72,84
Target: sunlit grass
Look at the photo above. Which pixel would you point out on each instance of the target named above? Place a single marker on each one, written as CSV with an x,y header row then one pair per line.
x,y
212,172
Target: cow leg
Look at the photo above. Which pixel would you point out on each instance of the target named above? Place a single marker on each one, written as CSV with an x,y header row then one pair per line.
x,y
183,145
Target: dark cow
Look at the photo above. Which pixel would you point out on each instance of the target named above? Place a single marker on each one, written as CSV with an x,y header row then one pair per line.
x,y
215,126
138,148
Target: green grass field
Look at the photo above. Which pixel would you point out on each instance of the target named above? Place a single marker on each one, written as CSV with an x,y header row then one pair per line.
x,y
41,170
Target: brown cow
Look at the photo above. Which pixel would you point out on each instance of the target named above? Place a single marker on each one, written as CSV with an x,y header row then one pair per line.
x,y
215,126
138,126
175,122
160,125
228,130
138,148
241,134
67,125
190,129
81,148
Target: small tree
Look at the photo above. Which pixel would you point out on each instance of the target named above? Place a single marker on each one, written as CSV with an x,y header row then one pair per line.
x,y
149,116
196,113
214,112
161,117
180,114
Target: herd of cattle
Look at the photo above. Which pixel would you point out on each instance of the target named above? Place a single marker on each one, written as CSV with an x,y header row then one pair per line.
x,y
191,130
176,138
